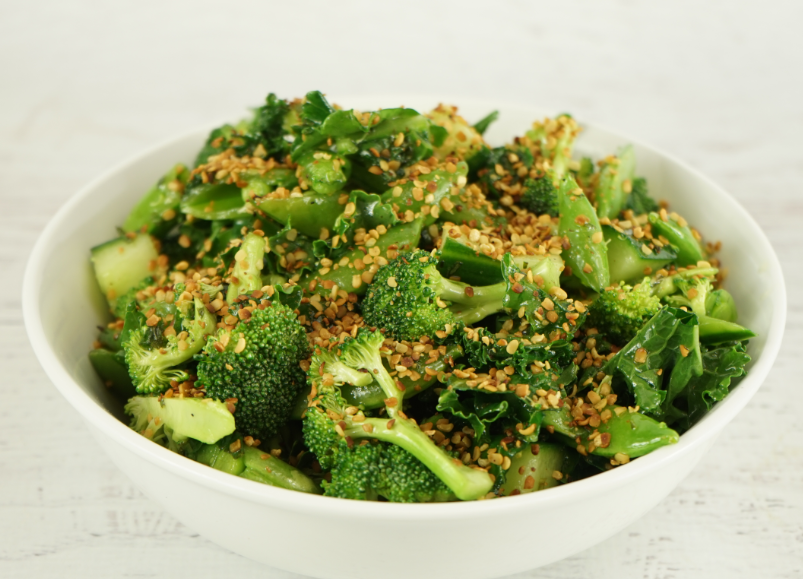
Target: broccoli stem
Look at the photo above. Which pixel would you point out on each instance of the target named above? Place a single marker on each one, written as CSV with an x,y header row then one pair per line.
x,y
467,483
462,293
246,275
666,285
472,315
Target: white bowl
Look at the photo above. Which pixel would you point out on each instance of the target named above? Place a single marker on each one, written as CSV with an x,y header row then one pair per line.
x,y
327,537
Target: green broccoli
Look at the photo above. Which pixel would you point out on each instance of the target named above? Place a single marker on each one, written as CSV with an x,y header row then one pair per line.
x,y
257,363
408,298
620,311
367,471
540,196
500,173
329,423
153,353
172,421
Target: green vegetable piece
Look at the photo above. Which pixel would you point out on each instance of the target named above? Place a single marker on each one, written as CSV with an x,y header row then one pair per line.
x,y
324,171
364,211
152,357
714,331
404,237
630,433
309,214
546,314
214,201
122,263
460,139
323,433
262,136
408,295
719,304
669,341
111,369
158,209
680,235
721,365
556,139
220,458
620,312
531,472
540,196
258,364
247,273
628,260
482,125
587,255
639,200
265,468
457,258
370,395
121,304
202,419
615,183
380,469
409,197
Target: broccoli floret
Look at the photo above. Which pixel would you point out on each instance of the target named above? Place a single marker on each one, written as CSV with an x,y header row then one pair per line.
x,y
408,296
620,312
172,421
540,196
331,429
257,363
367,471
153,354
500,171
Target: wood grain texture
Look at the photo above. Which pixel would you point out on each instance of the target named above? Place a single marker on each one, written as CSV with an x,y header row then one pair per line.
x,y
86,84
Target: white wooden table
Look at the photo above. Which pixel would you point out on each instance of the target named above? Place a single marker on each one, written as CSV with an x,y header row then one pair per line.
x,y
85,84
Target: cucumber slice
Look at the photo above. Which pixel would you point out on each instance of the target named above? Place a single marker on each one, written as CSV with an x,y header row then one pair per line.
x,y
530,472
628,262
122,263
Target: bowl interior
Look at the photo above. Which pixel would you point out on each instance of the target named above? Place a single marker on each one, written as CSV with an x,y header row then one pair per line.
x,y
63,305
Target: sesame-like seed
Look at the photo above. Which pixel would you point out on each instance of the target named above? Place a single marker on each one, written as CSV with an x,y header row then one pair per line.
x,y
240,345
557,475
512,347
641,356
392,282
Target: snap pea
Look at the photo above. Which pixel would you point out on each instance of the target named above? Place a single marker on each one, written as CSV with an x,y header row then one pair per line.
x,y
631,433
157,210
324,171
587,254
615,180
309,213
680,235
